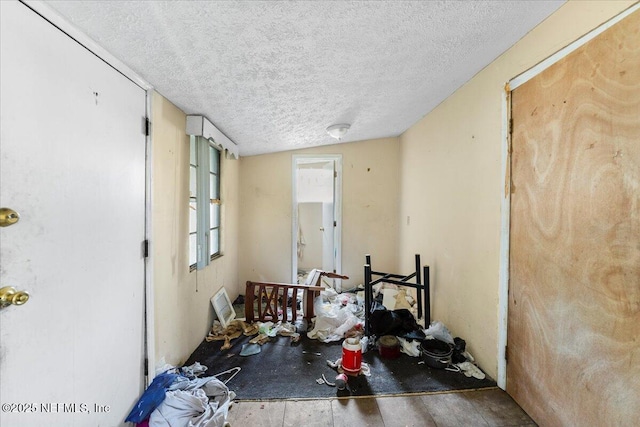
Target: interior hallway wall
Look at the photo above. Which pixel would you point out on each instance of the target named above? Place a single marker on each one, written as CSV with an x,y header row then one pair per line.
x,y
369,210
183,313
452,160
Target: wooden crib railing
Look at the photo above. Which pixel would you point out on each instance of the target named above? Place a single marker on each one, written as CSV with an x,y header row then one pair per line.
x,y
272,298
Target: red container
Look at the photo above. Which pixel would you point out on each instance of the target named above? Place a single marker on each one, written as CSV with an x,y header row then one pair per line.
x,y
351,356
389,347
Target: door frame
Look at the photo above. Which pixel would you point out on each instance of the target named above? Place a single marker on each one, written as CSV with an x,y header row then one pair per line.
x,y
505,204
337,209
58,21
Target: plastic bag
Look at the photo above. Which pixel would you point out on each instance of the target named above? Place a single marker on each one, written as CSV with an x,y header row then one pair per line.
x,y
151,398
409,347
334,316
439,331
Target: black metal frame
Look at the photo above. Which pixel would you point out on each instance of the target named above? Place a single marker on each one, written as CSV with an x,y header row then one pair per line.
x,y
400,280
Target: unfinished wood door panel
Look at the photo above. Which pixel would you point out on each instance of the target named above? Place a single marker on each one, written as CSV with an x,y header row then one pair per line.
x,y
574,295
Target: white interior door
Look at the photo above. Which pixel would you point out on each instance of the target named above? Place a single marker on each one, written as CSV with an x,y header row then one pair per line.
x,y
72,164
328,248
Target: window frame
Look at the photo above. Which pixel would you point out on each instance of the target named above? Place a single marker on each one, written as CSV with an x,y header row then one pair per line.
x,y
217,201
206,165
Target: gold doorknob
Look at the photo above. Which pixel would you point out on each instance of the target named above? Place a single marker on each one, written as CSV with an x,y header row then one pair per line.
x,y
11,296
8,217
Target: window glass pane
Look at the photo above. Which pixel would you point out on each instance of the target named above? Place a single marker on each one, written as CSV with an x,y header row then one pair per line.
x,y
192,150
214,238
193,249
214,159
213,187
214,212
193,216
192,181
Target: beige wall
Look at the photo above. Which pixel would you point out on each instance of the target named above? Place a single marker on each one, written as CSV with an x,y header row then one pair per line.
x,y
452,183
183,313
369,210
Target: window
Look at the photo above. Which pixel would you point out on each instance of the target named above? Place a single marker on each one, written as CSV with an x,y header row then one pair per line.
x,y
204,202
193,205
214,202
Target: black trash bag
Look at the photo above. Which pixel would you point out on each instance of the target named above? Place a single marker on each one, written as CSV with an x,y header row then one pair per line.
x,y
396,322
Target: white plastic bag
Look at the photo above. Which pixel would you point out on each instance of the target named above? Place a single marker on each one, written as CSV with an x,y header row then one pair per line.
x,y
439,331
411,348
334,316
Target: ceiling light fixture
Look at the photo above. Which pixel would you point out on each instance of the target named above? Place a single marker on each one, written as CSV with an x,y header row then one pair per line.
x,y
338,131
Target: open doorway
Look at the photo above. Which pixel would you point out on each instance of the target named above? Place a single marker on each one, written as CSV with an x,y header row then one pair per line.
x,y
316,225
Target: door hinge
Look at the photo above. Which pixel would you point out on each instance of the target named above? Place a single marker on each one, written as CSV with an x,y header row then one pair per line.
x,y
146,367
335,223
506,353
147,126
335,174
510,126
145,249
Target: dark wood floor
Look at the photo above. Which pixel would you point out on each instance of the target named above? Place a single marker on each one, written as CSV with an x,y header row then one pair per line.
x,y
487,407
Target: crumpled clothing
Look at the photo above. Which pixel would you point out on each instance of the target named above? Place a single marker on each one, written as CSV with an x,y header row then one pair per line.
x,y
471,370
184,408
201,402
212,386
193,371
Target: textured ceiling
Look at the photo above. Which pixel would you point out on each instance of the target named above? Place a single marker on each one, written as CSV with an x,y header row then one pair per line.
x,y
273,75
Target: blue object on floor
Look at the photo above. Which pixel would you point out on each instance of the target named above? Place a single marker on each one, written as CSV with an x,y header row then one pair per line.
x,y
250,349
151,398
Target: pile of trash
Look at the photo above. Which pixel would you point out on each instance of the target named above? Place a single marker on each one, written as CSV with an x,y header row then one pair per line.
x,y
338,316
178,397
394,313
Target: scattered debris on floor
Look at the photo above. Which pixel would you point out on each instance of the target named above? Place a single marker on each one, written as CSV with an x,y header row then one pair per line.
x,y
264,331
393,330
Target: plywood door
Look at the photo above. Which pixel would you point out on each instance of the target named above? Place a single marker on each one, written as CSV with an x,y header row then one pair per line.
x,y
574,296
72,163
